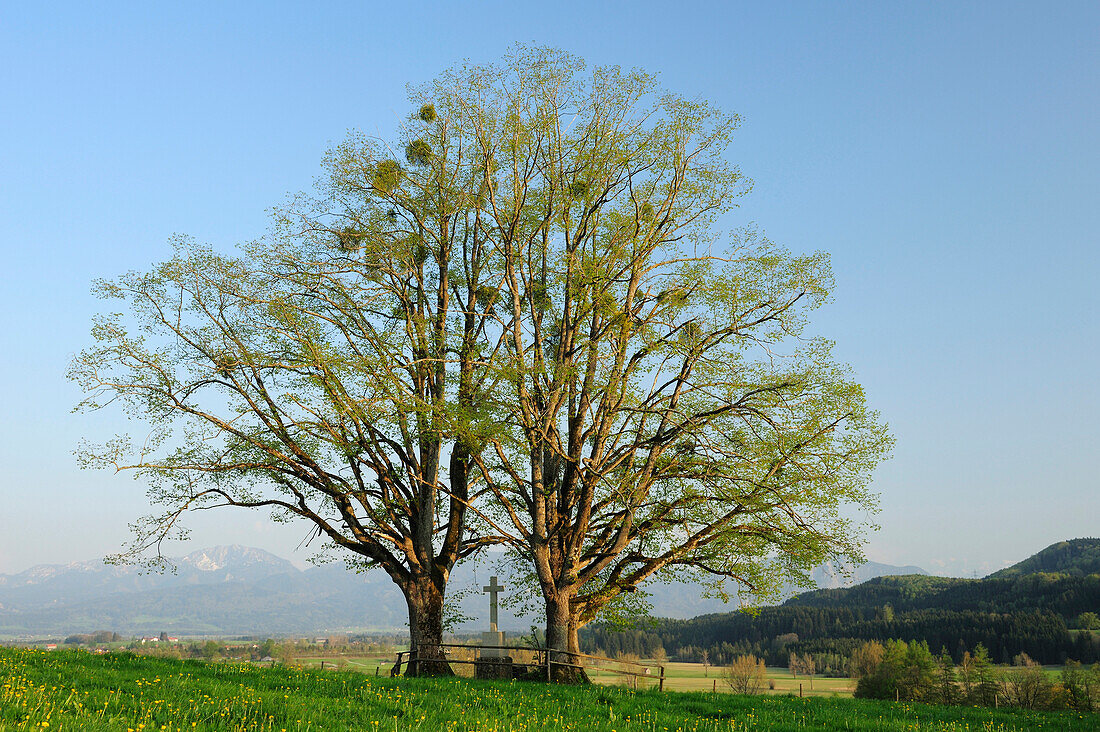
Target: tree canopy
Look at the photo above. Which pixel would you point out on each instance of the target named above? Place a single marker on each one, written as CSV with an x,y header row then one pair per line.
x,y
333,371
661,407
514,323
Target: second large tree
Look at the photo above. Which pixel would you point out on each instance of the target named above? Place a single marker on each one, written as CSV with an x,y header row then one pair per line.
x,y
661,409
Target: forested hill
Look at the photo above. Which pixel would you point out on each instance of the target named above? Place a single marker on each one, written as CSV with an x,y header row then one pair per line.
x,y
1063,579
1078,557
1025,608
1062,594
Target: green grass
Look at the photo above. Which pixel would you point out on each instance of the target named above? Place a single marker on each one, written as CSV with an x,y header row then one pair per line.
x,y
366,664
695,677
679,676
73,690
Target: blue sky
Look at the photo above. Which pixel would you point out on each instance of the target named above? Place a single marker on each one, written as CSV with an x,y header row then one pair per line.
x,y
945,154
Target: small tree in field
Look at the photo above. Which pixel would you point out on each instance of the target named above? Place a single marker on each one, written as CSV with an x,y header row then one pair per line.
x,y
865,659
966,675
1026,684
918,672
808,665
1082,685
984,689
746,675
947,688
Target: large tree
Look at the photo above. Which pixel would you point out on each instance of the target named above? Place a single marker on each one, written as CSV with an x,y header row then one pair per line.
x,y
332,372
664,410
526,332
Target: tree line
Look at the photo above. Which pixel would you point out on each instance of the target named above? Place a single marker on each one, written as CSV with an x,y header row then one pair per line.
x,y
776,632
99,636
910,672
1067,595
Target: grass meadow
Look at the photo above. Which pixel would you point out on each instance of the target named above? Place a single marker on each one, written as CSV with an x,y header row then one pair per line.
x,y
71,690
678,676
696,677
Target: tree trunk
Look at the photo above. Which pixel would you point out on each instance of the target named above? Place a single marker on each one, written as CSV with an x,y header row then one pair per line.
x,y
562,642
425,603
574,647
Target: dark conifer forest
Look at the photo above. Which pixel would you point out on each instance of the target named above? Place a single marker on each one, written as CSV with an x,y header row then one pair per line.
x,y
1034,607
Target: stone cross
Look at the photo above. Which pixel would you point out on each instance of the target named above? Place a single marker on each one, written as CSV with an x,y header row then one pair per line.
x,y
492,588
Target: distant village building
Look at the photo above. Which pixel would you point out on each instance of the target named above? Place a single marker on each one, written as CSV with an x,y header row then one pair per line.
x,y
51,646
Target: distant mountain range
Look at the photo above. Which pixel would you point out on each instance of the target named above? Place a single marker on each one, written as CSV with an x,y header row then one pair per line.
x,y
217,591
230,590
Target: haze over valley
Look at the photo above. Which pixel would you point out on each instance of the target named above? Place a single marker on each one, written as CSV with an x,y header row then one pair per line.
x,y
229,590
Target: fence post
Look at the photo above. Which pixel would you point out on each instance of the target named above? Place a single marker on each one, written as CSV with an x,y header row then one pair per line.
x,y
548,663
662,686
714,686
322,665
800,690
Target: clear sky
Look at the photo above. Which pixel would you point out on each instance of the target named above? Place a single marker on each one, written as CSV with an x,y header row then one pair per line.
x,y
946,154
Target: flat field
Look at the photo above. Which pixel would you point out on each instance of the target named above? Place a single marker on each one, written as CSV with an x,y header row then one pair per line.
x,y
374,663
69,690
696,677
678,676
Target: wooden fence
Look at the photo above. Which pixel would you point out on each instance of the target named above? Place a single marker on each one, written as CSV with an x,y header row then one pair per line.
x,y
635,673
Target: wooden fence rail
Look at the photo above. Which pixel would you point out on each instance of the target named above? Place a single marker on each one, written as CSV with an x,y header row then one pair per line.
x,y
542,657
